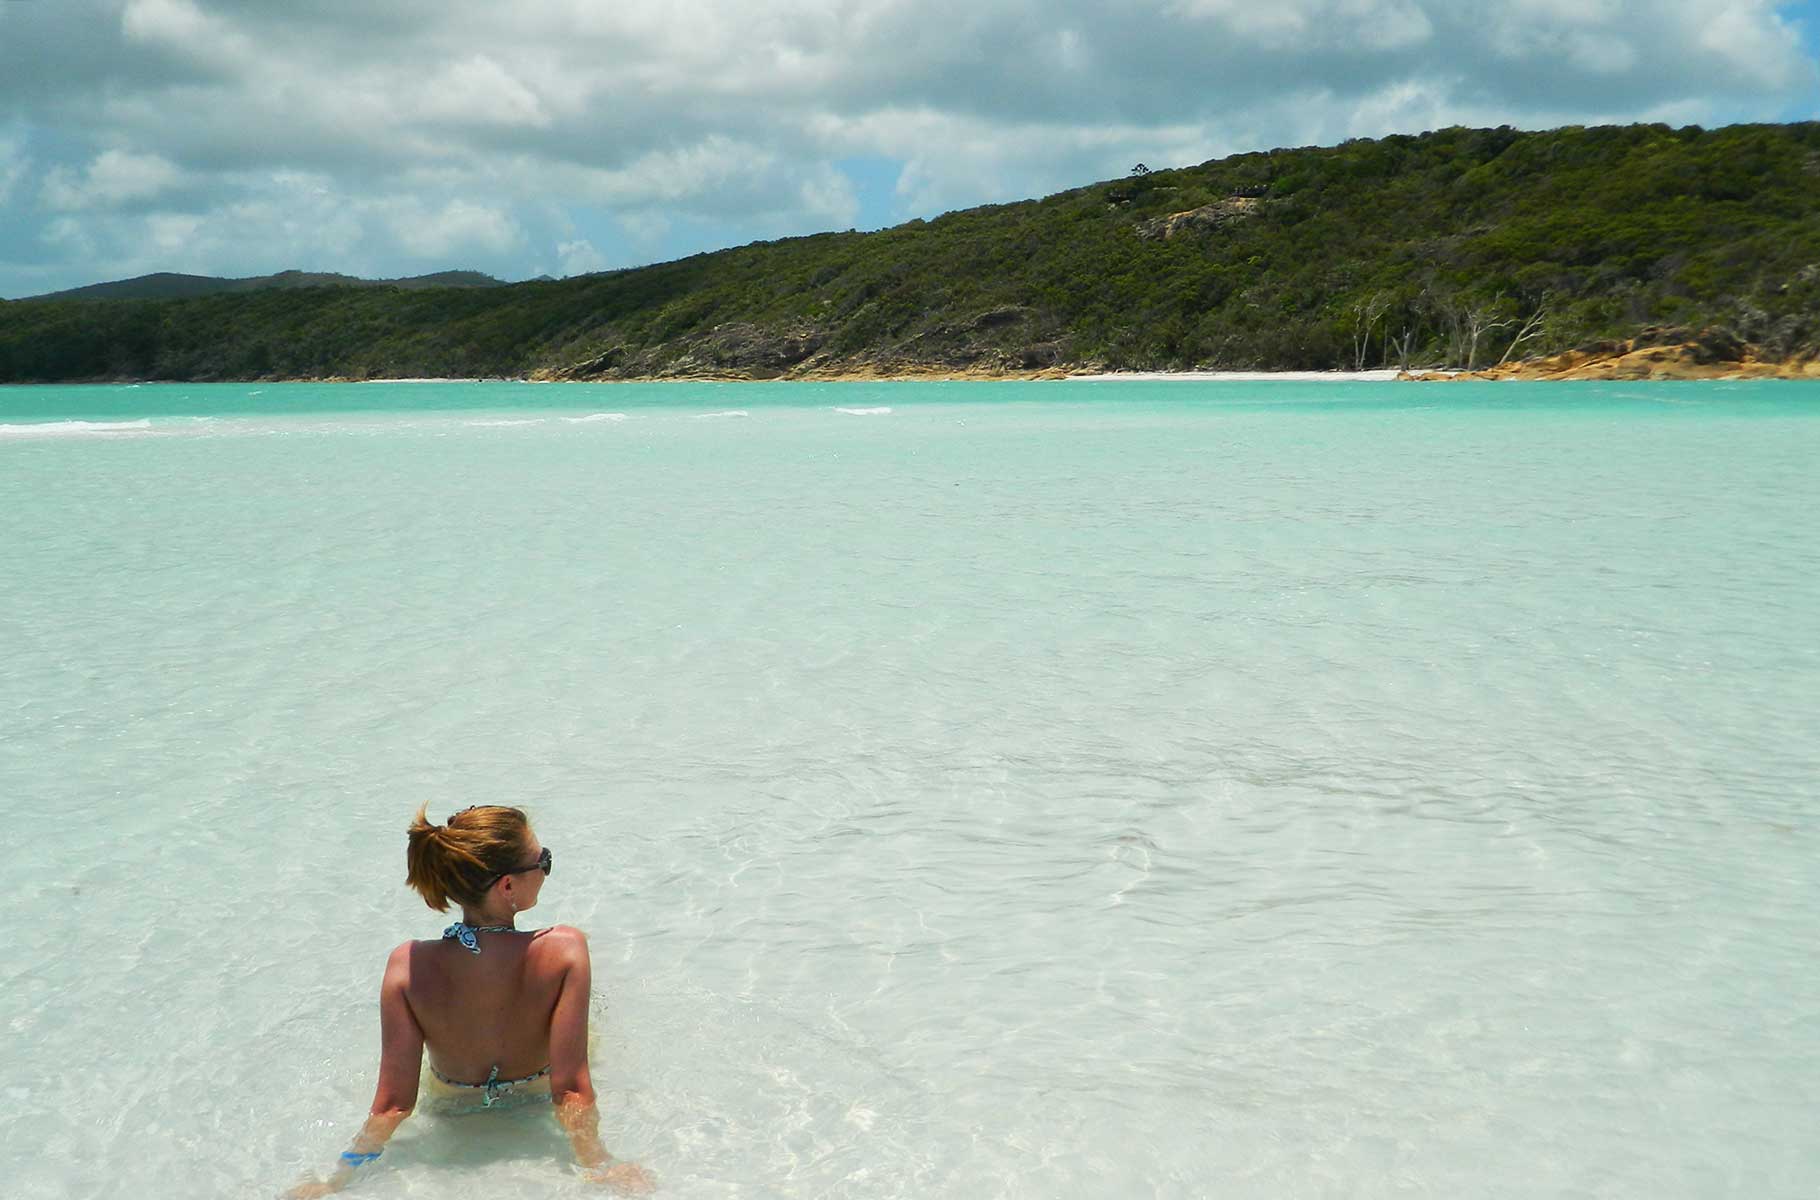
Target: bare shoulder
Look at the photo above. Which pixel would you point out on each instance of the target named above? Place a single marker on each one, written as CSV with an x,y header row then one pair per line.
x,y
398,968
562,944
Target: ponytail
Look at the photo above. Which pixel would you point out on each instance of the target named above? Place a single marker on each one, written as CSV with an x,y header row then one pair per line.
x,y
459,860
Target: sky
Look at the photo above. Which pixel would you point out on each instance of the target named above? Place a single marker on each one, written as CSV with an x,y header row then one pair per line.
x,y
559,137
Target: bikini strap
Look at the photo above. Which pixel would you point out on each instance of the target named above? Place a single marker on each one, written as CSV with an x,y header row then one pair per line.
x,y
464,933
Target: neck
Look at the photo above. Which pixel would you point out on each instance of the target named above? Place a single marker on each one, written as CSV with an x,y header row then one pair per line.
x,y
488,915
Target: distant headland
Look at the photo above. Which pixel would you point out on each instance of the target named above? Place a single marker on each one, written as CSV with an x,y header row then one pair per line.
x,y
1638,251
168,285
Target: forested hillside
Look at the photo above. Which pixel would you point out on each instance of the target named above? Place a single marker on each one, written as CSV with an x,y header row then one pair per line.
x,y
1452,248
165,285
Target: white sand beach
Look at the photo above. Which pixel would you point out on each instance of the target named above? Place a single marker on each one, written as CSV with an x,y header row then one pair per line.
x,y
1384,376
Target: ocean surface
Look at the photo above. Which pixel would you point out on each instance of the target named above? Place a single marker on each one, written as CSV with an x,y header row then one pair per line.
x,y
1031,790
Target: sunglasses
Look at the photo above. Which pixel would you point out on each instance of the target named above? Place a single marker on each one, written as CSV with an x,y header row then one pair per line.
x,y
542,864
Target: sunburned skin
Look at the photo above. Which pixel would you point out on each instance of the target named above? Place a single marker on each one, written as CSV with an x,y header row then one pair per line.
x,y
509,1011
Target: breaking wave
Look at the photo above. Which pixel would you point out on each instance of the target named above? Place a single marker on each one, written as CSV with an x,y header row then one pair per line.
x,y
74,428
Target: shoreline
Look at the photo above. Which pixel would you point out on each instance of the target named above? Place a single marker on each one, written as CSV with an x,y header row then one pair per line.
x,y
1674,364
1656,354
1386,375
1051,375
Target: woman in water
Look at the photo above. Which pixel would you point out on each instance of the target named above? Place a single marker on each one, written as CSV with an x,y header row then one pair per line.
x,y
502,1011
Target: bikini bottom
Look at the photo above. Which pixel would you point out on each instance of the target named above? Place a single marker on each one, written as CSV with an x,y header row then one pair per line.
x,y
452,1097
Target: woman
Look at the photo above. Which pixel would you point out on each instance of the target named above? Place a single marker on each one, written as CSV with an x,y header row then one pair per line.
x,y
503,1011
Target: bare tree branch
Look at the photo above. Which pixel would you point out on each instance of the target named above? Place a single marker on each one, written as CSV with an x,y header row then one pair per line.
x,y
1531,329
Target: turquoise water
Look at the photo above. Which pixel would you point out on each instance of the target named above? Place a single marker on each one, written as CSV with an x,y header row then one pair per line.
x,y
1176,789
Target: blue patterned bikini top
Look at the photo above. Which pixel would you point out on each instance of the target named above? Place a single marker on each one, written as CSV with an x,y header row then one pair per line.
x,y
464,933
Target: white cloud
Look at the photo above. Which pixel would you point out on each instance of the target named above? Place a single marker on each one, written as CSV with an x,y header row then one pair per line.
x,y
293,220
717,177
477,91
645,227
707,167
1751,36
182,27
579,257
13,166
171,233
827,194
955,160
1299,25
71,236
177,22
115,177
413,130
458,228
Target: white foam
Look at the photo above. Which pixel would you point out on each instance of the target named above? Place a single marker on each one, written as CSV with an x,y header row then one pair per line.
x,y
864,412
733,412
74,428
503,424
593,417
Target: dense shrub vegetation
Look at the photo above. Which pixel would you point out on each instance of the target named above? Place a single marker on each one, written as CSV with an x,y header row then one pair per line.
x,y
1454,246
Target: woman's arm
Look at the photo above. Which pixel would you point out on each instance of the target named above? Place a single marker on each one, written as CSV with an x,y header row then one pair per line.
x,y
570,1085
400,1064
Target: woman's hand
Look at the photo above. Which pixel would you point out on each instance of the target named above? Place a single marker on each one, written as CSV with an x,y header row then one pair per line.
x,y
628,1178
311,1188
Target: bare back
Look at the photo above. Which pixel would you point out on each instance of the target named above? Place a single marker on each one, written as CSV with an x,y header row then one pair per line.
x,y
494,1009
503,1014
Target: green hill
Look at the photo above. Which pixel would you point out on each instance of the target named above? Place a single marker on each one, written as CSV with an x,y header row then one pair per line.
x,y
165,285
1439,249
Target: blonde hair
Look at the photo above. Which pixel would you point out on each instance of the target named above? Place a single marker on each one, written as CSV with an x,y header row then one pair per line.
x,y
459,860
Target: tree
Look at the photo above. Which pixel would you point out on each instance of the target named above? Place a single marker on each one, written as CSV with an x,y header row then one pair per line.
x,y
1530,329
1482,319
1365,312
1466,323
1401,344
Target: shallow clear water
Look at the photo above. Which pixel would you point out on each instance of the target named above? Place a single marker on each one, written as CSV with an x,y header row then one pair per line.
x,y
1141,789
